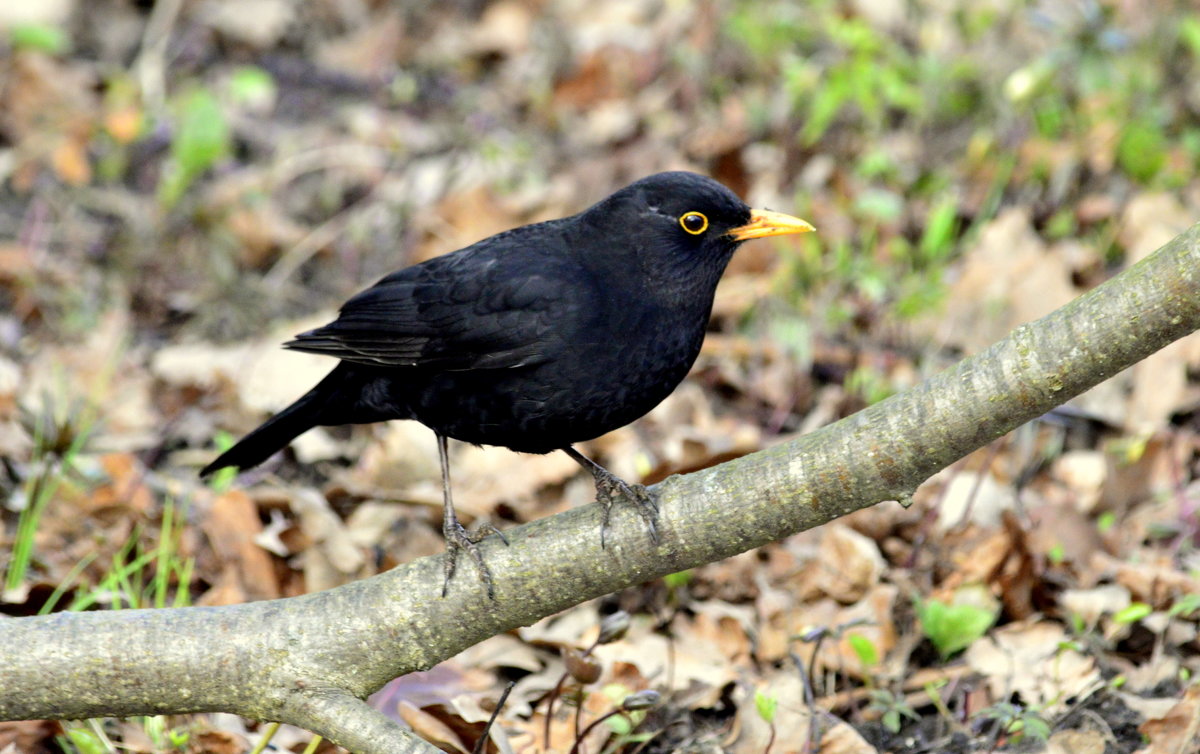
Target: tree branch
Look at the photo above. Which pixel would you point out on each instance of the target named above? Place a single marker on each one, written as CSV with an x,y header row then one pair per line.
x,y
309,659
352,723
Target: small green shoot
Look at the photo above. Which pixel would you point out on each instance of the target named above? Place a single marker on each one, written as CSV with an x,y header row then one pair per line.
x,y
1186,606
83,739
252,87
202,138
933,690
1133,613
952,628
893,709
1017,721
941,230
39,38
678,580
222,480
1057,553
1142,150
1189,33
864,649
765,705
163,737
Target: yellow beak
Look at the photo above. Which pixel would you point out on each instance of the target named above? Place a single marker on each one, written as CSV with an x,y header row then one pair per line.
x,y
764,222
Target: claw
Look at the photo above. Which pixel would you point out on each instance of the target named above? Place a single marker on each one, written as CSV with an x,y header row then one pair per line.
x,y
612,487
458,538
609,487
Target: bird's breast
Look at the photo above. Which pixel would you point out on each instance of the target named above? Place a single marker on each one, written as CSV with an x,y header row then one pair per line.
x,y
592,380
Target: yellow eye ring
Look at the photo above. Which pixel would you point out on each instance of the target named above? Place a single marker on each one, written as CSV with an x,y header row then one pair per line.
x,y
694,223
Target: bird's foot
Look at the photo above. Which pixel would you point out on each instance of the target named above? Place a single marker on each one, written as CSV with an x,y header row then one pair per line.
x,y
609,487
458,539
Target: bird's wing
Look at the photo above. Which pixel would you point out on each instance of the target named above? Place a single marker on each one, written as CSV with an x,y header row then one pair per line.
x,y
461,311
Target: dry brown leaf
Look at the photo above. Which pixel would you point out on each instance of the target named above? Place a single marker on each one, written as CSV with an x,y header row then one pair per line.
x,y
1082,741
430,728
369,523
27,736
486,476
503,29
1149,221
370,51
1151,474
232,525
1148,707
1091,605
261,229
225,590
848,564
528,735
841,738
975,498
792,722
977,557
599,699
463,218
1160,386
218,742
1008,278
1179,730
259,23
47,107
594,79
1063,531
1154,580
1084,473
1034,660
267,377
872,616
126,487
70,162
1159,672
792,717
691,660
729,627
403,454
333,558
316,445
503,651
571,628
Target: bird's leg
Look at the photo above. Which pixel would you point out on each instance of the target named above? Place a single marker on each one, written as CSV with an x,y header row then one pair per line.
x,y
609,486
457,537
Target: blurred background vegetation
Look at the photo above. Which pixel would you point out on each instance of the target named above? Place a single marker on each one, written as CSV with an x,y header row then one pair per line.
x,y
183,181
234,161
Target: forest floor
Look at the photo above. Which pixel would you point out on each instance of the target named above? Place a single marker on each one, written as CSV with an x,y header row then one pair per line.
x,y
186,184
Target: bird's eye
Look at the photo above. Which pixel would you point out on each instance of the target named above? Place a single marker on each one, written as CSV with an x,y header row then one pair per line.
x,y
694,223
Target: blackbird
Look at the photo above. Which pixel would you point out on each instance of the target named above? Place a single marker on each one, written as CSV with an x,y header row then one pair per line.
x,y
534,339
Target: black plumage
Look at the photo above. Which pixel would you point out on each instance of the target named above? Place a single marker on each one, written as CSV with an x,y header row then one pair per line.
x,y
536,338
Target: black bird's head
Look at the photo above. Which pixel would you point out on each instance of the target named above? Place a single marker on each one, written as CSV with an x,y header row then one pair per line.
x,y
681,223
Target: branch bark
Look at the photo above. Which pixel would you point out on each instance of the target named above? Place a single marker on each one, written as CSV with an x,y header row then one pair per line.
x,y
310,660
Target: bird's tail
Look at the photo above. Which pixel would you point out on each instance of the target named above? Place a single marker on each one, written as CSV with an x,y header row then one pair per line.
x,y
275,433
